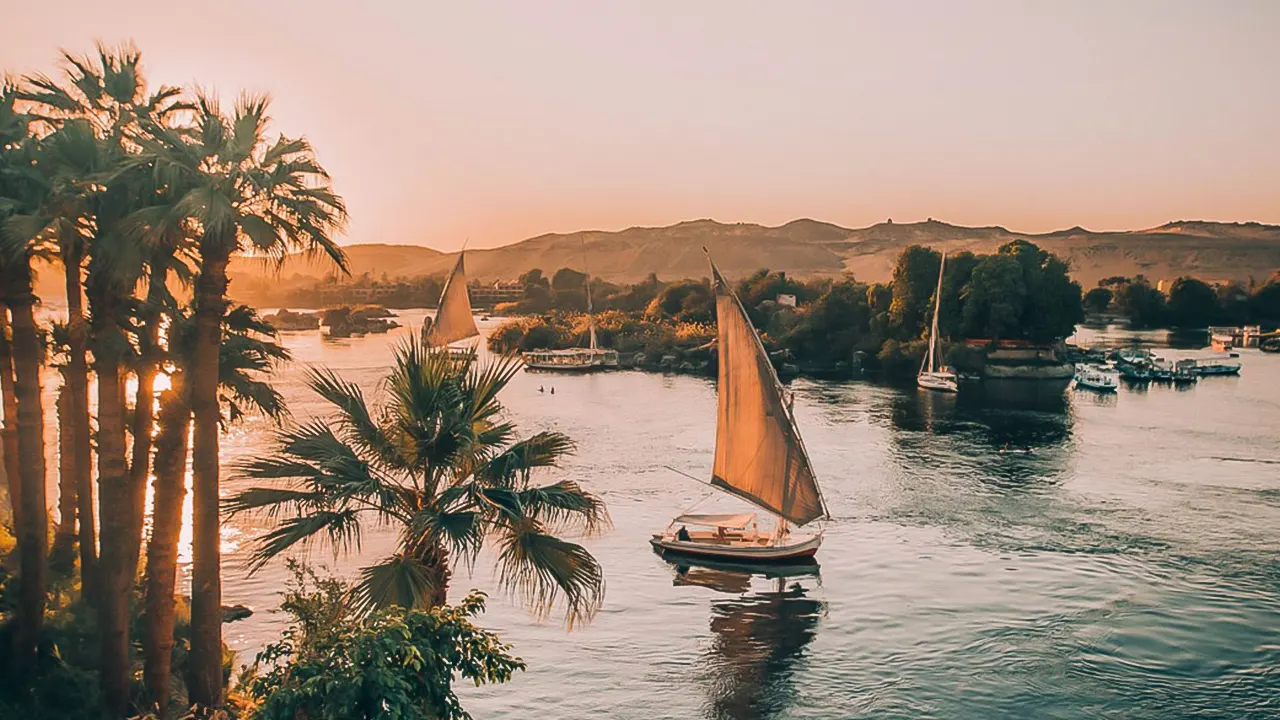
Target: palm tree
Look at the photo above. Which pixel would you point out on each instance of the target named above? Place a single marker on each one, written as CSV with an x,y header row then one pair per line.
x,y
99,109
20,189
244,354
242,192
439,461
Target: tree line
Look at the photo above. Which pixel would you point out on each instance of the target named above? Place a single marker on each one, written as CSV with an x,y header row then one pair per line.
x,y
1189,302
1018,292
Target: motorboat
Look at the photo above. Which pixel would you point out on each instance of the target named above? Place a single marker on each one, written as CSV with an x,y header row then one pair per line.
x,y
1091,377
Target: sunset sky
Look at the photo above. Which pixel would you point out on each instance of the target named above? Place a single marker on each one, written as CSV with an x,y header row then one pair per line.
x,y
497,121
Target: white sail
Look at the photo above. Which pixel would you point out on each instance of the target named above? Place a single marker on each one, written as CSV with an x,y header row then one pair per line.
x,y
591,318
930,361
759,454
453,321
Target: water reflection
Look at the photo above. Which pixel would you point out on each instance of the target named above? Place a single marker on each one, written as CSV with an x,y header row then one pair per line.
x,y
759,637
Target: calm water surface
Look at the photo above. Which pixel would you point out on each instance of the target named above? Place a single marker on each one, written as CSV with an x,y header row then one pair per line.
x,y
1126,568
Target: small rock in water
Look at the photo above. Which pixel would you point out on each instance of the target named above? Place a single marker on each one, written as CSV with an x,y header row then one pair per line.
x,y
232,613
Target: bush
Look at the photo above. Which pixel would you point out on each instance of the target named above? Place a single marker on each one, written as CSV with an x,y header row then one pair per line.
x,y
335,664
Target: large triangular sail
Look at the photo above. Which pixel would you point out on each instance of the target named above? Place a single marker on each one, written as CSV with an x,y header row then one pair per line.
x,y
759,454
453,321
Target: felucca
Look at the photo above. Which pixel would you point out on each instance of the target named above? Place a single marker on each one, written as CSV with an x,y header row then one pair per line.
x,y
454,322
592,357
760,457
933,374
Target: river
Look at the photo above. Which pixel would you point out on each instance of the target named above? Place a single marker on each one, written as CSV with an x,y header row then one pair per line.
x,y
1126,566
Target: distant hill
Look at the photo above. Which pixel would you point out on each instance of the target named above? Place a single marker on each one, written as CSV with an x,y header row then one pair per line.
x,y
1211,250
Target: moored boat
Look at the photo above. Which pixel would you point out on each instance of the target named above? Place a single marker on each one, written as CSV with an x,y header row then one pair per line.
x,y
1094,378
588,359
759,456
1210,366
933,374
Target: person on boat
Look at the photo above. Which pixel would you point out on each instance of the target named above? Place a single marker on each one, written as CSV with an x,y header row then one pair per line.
x,y
683,534
541,389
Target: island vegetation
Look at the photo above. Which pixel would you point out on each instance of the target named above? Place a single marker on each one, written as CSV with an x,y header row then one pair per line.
x,y
1020,293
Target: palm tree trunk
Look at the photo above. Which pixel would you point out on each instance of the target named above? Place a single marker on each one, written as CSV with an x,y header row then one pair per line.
x,y
162,550
114,577
77,388
204,682
143,424
9,433
437,563
62,557
33,538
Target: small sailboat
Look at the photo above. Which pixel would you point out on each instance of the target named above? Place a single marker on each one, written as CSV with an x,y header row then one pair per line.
x,y
759,458
454,322
592,357
933,374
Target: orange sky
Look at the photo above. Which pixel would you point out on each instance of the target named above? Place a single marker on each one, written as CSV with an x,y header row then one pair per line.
x,y
498,121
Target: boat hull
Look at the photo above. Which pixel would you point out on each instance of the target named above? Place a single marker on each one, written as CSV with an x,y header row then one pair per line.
x,y
584,368
930,381
805,548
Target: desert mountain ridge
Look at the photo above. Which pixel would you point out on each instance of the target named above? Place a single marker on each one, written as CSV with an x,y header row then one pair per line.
x,y
1215,251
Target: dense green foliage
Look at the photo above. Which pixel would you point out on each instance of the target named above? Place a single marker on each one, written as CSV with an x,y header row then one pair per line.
x,y
336,663
1190,302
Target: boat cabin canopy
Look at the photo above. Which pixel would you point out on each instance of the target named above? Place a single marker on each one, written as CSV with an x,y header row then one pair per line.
x,y
731,522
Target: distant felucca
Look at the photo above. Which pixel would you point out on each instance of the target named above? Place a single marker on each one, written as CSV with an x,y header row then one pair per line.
x,y
592,357
759,457
933,374
454,321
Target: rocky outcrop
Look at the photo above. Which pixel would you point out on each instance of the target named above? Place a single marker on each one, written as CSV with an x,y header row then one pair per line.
x,y
363,320
287,321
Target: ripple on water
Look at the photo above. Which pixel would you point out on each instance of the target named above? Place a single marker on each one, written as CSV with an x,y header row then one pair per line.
x,y
1120,569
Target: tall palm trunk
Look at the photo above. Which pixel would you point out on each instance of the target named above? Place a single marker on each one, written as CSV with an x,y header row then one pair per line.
x,y
204,682
162,550
114,577
33,538
9,433
77,388
143,423
62,557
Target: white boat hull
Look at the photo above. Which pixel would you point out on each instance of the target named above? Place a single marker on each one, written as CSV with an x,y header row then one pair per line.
x,y
938,381
571,360
790,548
561,367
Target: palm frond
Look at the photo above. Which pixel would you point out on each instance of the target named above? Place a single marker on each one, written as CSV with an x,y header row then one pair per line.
x,y
540,568
563,505
462,532
400,580
511,467
340,527
355,414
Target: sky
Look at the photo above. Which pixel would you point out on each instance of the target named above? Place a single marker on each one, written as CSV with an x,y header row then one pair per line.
x,y
487,122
